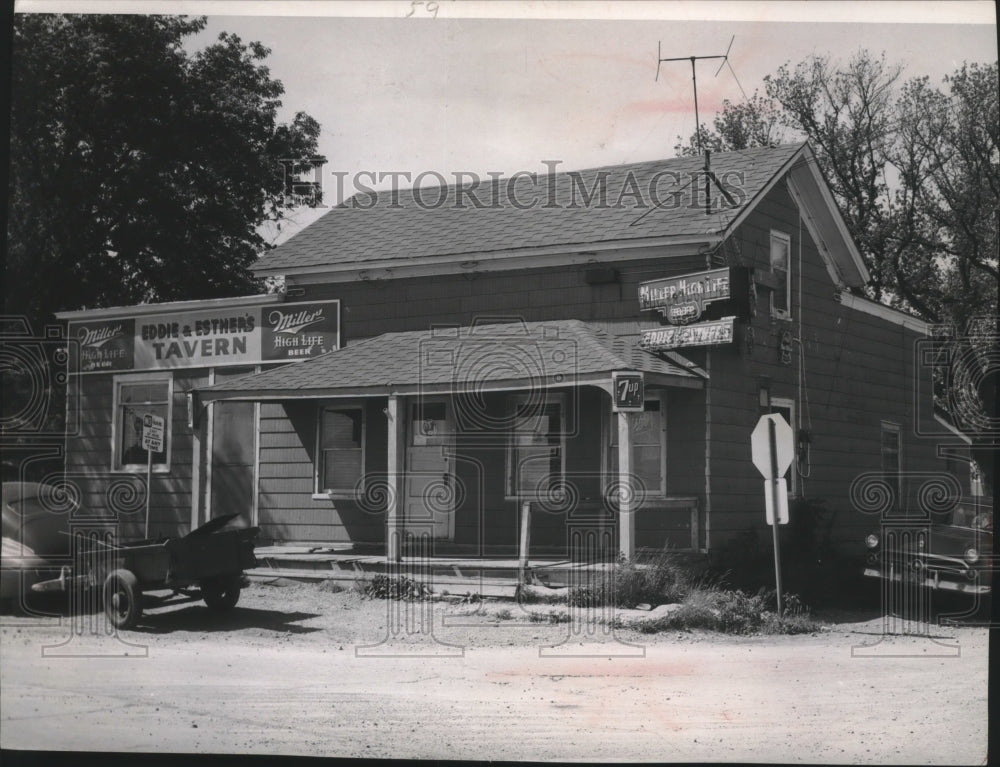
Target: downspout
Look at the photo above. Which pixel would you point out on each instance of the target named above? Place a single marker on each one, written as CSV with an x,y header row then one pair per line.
x,y
708,450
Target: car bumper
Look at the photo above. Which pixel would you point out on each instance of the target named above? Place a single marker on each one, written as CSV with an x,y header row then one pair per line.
x,y
15,582
932,580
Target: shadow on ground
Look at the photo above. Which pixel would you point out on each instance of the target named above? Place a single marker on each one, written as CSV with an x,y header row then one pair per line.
x,y
165,613
197,617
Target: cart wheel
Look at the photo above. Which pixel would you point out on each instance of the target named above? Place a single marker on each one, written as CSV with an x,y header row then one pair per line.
x,y
122,599
221,593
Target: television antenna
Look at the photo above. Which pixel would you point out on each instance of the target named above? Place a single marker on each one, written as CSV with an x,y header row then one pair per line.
x,y
694,79
709,176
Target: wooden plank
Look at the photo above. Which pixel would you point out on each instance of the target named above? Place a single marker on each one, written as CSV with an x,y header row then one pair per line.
x,y
626,512
525,542
395,414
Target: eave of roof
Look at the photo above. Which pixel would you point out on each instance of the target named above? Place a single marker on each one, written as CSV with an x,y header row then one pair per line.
x,y
465,360
203,304
886,313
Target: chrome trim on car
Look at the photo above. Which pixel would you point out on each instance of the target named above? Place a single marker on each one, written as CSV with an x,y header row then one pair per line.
x,y
934,583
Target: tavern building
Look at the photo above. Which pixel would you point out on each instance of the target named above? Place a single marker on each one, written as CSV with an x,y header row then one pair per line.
x,y
594,359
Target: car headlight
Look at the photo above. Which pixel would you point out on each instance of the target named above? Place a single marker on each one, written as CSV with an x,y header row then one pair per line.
x,y
971,555
871,540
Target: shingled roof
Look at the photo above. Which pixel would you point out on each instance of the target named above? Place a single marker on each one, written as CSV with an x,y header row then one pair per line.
x,y
521,355
656,199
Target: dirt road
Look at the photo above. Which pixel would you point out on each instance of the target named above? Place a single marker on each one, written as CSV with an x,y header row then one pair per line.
x,y
302,671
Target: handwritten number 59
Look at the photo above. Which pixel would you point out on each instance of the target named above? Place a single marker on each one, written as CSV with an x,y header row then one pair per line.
x,y
431,8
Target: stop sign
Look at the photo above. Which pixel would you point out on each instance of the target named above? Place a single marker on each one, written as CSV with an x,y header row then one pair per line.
x,y
760,444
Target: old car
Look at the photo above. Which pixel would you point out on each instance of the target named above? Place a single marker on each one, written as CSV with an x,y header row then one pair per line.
x,y
36,542
953,552
211,557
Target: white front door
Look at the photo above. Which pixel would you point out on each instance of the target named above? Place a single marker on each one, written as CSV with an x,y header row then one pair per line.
x,y
430,469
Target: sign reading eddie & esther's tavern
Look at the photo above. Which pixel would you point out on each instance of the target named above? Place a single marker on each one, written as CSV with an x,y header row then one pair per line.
x,y
702,334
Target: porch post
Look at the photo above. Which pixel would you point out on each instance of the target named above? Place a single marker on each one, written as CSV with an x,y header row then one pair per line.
x,y
626,494
195,476
195,421
395,412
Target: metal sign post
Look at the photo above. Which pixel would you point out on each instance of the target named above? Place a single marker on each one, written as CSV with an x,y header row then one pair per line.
x,y
152,441
772,450
149,485
773,443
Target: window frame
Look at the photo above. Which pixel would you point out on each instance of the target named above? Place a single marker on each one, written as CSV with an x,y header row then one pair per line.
x,y
609,474
118,466
319,462
793,469
781,314
510,492
892,427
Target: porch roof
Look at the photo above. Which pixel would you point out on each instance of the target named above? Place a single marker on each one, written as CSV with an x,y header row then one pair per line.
x,y
477,358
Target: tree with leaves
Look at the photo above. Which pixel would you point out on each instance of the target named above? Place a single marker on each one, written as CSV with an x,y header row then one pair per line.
x,y
756,122
139,172
915,171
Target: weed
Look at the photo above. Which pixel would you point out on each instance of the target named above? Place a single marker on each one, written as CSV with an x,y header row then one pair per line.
x,y
656,579
398,587
560,616
734,612
532,596
504,615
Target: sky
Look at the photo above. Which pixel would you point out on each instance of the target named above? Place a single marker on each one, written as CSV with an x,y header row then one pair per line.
x,y
481,87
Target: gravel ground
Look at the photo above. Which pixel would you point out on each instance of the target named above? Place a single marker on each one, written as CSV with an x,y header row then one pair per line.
x,y
302,669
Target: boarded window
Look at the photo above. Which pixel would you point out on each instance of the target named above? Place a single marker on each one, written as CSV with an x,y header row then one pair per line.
x,y
535,450
781,296
341,449
135,399
648,448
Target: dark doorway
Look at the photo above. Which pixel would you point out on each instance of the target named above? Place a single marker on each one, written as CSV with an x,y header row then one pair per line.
x,y
234,442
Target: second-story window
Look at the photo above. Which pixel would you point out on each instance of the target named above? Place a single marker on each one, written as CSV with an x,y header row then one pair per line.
x,y
781,296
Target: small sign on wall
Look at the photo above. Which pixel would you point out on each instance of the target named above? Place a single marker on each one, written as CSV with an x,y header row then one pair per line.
x,y
629,392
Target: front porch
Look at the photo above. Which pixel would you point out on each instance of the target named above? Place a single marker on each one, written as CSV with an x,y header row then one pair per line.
x,y
497,439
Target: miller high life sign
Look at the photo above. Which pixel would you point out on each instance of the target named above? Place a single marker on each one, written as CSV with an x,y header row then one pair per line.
x,y
225,335
683,299
677,337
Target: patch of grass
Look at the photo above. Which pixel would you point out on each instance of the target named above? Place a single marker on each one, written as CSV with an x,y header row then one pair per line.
x,y
735,612
530,596
397,587
504,615
360,587
654,579
790,624
560,616
331,587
